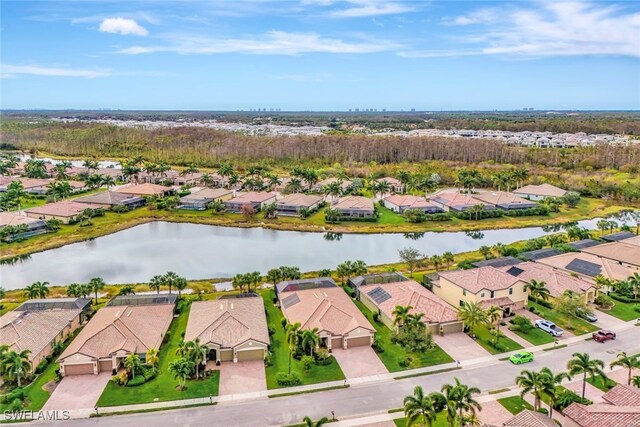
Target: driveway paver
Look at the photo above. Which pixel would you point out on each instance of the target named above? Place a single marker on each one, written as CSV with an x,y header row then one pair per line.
x,y
592,393
533,317
494,414
359,362
77,392
621,375
605,320
242,377
460,346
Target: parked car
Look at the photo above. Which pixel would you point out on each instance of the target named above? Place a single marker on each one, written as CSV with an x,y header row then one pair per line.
x,y
548,327
603,335
522,357
586,315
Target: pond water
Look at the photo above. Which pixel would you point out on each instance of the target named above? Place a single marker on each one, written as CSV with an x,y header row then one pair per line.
x,y
200,251
75,163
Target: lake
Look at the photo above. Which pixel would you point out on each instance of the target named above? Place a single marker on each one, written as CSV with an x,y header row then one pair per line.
x,y
200,251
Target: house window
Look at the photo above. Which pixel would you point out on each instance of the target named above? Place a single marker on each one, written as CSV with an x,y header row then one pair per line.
x,y
510,291
461,303
482,295
491,294
464,292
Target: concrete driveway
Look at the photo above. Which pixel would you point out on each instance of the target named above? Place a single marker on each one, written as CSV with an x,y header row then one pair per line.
x,y
460,346
533,317
242,377
494,414
605,320
359,362
77,392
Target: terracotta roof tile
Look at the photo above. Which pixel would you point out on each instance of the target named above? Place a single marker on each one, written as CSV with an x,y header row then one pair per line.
x,y
477,279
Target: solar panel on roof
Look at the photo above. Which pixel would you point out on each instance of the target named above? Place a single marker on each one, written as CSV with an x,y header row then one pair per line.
x,y
498,262
291,300
379,295
540,254
584,267
515,271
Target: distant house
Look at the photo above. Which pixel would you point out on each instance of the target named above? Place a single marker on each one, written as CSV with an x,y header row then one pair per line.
x,y
234,329
66,211
355,207
539,192
626,254
34,226
109,199
319,186
37,325
400,203
189,178
255,199
395,185
291,204
621,235
320,303
621,407
504,200
458,202
382,293
588,266
35,186
529,418
633,241
199,200
144,190
130,324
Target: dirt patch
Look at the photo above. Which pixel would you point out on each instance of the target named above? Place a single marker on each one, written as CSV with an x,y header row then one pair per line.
x,y
50,386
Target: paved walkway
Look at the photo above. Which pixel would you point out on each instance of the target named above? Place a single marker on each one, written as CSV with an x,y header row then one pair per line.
x,y
621,376
358,362
517,338
242,377
605,320
460,346
77,392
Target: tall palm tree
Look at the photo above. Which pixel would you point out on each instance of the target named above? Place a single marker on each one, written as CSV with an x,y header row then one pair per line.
x,y
132,363
553,380
400,315
198,354
333,189
485,251
628,362
156,283
308,422
97,284
293,337
309,339
472,315
634,282
448,258
462,395
581,363
419,408
17,365
534,383
37,290
538,289
170,280
436,260
152,357
494,315
181,369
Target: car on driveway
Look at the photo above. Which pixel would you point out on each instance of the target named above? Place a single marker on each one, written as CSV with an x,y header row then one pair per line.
x,y
521,357
603,335
589,316
549,327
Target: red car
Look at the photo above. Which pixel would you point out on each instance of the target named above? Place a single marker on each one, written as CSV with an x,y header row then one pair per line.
x,y
604,335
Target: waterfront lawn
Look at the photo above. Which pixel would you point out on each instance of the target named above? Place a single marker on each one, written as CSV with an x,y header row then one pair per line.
x,y
604,384
484,336
570,323
536,336
515,404
164,386
393,353
624,311
280,353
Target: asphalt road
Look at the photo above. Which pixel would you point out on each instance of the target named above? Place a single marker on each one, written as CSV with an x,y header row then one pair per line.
x,y
364,399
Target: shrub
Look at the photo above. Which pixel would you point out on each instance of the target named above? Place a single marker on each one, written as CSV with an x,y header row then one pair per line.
x,y
287,380
622,298
272,330
120,209
403,362
521,323
636,308
121,379
41,366
604,301
16,405
307,363
566,397
497,345
376,317
322,357
138,380
16,393
543,411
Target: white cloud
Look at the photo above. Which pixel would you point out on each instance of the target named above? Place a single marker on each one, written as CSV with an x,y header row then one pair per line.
x,y
16,70
368,8
122,26
554,29
271,43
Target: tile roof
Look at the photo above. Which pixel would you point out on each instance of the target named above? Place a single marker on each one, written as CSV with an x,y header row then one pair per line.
x,y
617,251
623,395
28,183
345,182
228,322
146,189
252,197
354,203
410,293
621,235
502,198
207,193
299,199
134,329
408,201
328,309
607,268
497,262
557,281
529,418
111,198
543,190
457,200
603,415
390,180
66,208
499,302
477,279
633,241
10,218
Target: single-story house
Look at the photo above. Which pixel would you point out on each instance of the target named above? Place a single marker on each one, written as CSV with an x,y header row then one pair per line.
x,y
497,262
487,286
588,266
189,178
291,204
256,199
319,186
633,240
539,192
144,190
37,325
34,226
539,254
556,281
458,202
35,186
621,235
66,211
109,199
400,203
320,303
130,324
383,296
504,200
530,418
584,243
199,200
78,186
115,173
395,185
621,407
355,207
234,329
621,252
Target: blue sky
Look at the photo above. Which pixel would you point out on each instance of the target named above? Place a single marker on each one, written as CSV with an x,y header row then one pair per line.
x,y
320,55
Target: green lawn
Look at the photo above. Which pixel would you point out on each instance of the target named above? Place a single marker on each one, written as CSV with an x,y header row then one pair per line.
x,y
604,384
280,353
441,421
393,353
387,216
163,387
515,404
484,336
570,323
536,336
624,311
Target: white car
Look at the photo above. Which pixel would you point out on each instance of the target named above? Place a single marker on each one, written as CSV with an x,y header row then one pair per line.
x,y
549,327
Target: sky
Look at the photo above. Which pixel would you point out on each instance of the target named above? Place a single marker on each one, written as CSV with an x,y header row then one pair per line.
x,y
319,55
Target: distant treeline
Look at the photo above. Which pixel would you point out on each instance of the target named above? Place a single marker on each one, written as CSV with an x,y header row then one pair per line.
x,y
207,147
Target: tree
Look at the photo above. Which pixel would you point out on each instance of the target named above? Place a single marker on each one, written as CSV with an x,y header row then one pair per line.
x,y
551,382
16,365
603,225
634,282
538,290
400,315
180,284
274,276
153,357
358,268
436,260
310,340
534,383
97,284
132,363
412,257
460,397
343,270
571,303
239,281
35,169
126,290
485,251
308,422
181,369
419,408
333,189
499,248
292,337
197,354
472,315
581,363
628,362
448,258
494,315
170,280
156,283
270,210
37,290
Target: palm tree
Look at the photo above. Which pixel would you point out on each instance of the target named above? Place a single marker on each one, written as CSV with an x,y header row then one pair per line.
x,y
494,315
126,290
293,337
61,170
358,268
462,395
538,290
74,290
17,365
553,380
634,282
485,251
107,181
97,284
436,260
448,258
308,422
181,369
37,290
472,315
198,354
628,362
170,279
274,276
156,282
153,357
400,315
333,189
132,362
419,408
180,284
309,339
583,364
534,383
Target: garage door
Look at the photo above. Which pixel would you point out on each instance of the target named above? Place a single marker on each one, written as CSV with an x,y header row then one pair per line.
x,y
106,366
83,369
336,342
450,328
250,355
226,355
358,342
